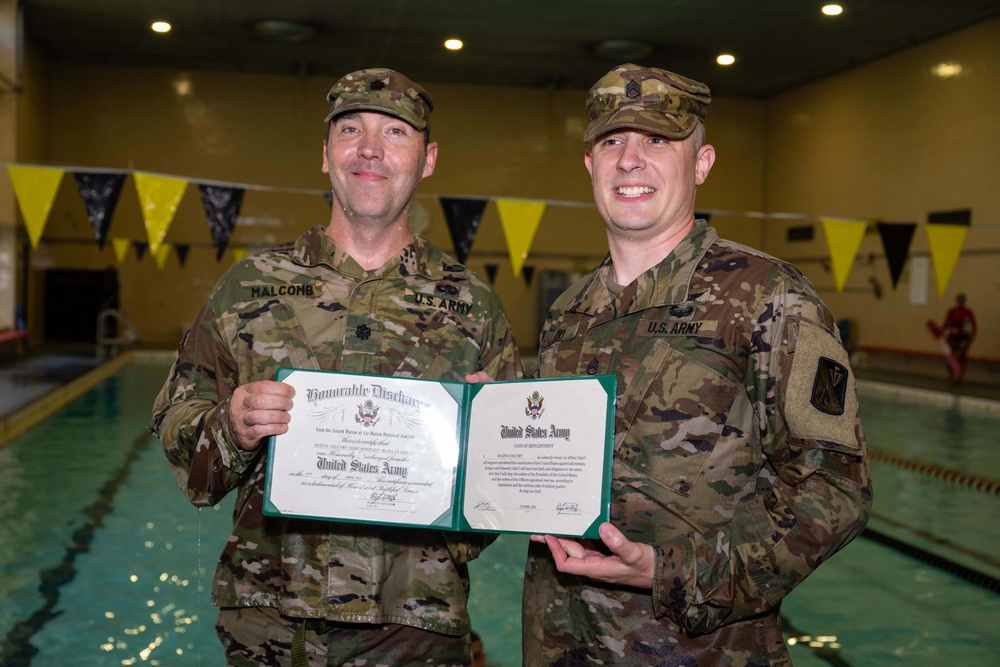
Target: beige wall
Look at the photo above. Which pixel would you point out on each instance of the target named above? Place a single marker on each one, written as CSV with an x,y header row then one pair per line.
x,y
268,130
883,141
891,141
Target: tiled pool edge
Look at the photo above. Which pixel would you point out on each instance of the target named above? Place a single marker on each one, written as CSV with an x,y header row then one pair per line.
x,y
20,422
921,395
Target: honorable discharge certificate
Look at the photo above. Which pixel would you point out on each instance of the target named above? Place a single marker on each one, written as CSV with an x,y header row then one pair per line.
x,y
367,449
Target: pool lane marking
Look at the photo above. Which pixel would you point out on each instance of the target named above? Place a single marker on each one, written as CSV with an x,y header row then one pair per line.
x,y
971,481
940,562
17,650
919,532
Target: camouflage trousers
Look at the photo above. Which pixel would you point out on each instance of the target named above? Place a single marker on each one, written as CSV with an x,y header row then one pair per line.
x,y
254,636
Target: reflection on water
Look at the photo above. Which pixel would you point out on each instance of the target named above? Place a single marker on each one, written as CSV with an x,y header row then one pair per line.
x,y
931,433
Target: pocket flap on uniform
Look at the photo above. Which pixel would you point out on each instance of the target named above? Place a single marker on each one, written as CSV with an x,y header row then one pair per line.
x,y
293,337
553,336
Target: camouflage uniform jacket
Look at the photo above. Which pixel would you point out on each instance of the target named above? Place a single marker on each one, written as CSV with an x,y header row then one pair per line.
x,y
310,305
739,457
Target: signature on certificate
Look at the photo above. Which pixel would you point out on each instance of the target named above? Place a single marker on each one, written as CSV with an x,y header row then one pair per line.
x,y
568,508
485,506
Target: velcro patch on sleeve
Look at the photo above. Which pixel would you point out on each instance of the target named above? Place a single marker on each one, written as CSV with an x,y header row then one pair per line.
x,y
821,398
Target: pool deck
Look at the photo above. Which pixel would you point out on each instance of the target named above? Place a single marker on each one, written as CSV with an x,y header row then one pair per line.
x,y
27,380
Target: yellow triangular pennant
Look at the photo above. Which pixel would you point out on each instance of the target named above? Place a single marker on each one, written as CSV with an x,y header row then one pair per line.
x,y
35,189
161,254
519,220
239,253
121,247
945,242
158,197
843,238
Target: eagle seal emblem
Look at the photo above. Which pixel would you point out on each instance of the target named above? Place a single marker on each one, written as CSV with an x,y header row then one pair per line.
x,y
367,414
534,409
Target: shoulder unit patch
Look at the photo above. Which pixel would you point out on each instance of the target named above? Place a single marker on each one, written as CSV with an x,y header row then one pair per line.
x,y
829,390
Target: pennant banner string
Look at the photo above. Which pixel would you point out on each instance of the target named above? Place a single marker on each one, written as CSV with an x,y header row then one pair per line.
x,y
547,202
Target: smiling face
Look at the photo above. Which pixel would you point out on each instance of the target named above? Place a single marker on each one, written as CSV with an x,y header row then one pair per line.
x,y
375,162
644,183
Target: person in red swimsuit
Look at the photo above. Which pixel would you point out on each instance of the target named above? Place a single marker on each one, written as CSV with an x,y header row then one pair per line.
x,y
959,329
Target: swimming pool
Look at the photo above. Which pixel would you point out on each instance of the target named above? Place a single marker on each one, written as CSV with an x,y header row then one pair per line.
x,y
104,563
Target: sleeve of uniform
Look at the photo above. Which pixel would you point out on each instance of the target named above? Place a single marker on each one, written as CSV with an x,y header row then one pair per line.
x,y
191,415
813,493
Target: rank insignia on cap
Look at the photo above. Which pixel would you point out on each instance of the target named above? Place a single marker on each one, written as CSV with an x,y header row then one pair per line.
x,y
830,387
376,84
633,89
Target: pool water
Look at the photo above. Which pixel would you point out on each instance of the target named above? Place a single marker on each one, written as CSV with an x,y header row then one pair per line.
x,y
104,562
952,520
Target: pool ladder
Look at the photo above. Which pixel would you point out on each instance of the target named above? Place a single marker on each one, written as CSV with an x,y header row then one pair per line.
x,y
108,345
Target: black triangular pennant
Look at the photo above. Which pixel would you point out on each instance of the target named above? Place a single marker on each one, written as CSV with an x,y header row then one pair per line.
x,y
896,238
140,249
99,192
959,217
529,273
182,252
222,207
491,272
463,217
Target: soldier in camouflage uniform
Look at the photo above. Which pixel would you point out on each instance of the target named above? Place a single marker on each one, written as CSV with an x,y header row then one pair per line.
x,y
362,295
739,464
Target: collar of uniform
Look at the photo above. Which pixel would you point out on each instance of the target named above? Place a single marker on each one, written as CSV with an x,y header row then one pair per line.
x,y
664,284
420,257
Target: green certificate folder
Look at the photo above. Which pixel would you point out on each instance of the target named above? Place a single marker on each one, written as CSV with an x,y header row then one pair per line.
x,y
526,456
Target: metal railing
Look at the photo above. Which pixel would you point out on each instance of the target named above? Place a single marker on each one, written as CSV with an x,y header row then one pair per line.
x,y
125,333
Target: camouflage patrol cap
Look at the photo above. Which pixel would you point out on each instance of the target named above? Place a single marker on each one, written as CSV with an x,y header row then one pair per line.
x,y
645,98
384,90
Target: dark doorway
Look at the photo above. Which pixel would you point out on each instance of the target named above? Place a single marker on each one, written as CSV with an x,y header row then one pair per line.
x,y
73,298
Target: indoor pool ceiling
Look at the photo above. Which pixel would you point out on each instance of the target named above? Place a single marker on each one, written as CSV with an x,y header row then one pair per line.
x,y
779,44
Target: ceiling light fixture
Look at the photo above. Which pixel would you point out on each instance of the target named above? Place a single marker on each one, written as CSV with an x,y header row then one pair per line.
x,y
725,59
182,86
453,44
161,26
946,70
832,10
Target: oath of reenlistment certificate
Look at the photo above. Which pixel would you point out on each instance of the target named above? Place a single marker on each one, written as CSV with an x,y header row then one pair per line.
x,y
537,455
529,456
